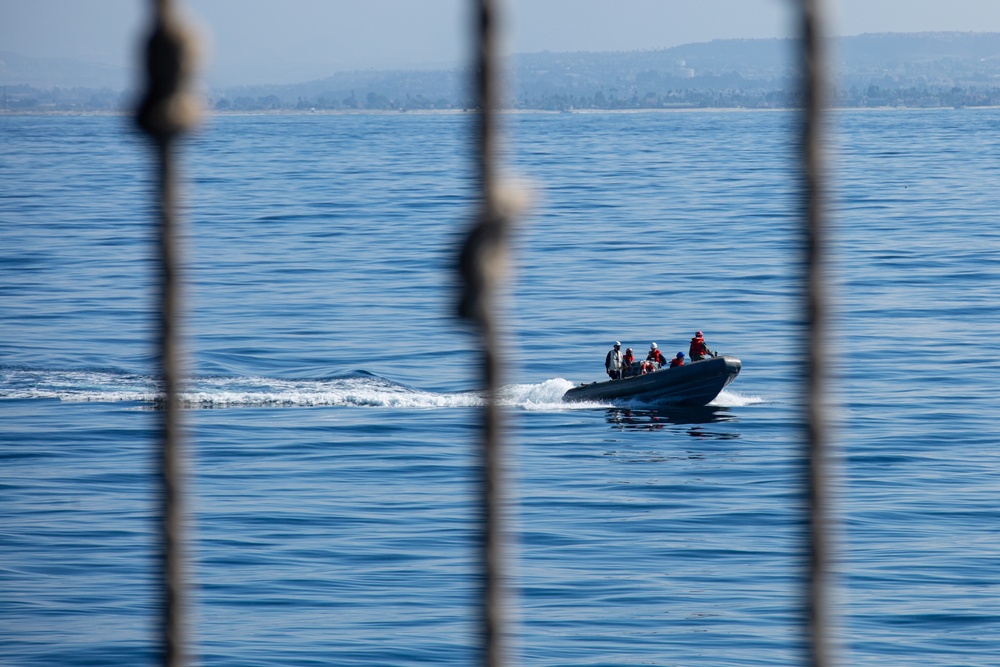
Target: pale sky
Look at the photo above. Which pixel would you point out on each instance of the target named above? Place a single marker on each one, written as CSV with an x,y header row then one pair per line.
x,y
286,41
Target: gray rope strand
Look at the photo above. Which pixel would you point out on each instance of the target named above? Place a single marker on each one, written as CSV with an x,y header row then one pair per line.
x,y
482,262
819,625
167,110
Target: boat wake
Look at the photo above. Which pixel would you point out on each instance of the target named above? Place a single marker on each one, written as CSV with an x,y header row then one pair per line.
x,y
359,389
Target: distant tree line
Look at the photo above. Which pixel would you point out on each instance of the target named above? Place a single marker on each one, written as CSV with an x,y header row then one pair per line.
x,y
872,96
29,99
370,101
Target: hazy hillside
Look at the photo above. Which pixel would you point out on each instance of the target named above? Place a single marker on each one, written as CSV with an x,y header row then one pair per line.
x,y
18,70
889,50
919,69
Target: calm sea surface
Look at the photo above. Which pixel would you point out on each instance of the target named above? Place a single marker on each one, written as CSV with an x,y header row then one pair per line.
x,y
334,407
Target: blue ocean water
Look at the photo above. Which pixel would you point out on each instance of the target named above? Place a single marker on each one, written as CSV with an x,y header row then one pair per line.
x,y
333,402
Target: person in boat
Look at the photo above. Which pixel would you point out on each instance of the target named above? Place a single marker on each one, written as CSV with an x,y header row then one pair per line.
x,y
613,362
627,360
699,349
678,360
656,356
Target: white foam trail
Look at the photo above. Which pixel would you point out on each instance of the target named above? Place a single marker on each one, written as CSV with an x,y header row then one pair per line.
x,y
222,392
546,396
356,392
76,385
732,399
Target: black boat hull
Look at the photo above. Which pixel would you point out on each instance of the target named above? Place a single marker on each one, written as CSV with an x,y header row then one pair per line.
x,y
693,384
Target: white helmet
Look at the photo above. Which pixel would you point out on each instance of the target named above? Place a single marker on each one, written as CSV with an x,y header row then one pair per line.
x,y
652,346
618,343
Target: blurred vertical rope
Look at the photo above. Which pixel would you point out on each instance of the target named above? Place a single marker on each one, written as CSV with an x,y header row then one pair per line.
x,y
482,261
169,109
819,623
166,111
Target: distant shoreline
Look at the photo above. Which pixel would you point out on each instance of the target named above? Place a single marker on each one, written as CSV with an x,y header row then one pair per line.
x,y
513,112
